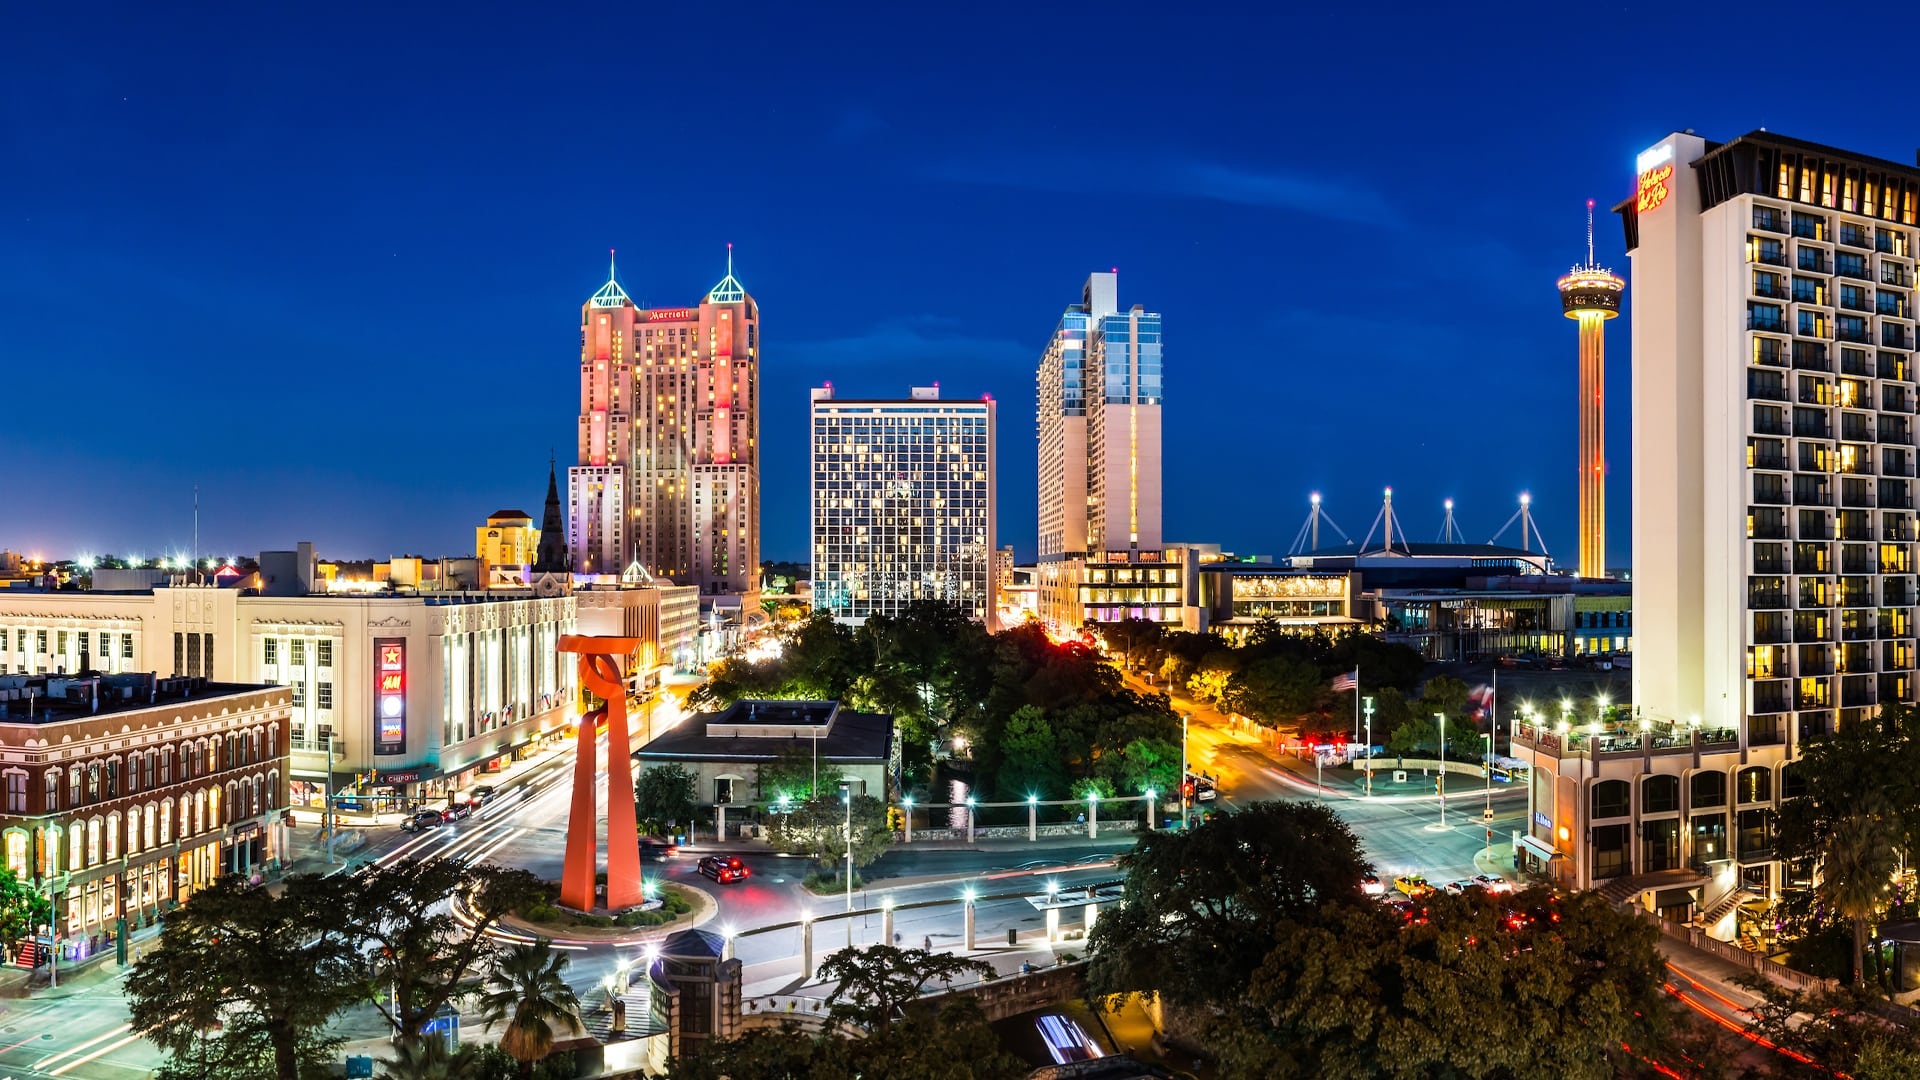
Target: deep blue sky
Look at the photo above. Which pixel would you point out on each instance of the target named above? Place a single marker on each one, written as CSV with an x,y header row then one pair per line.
x,y
328,263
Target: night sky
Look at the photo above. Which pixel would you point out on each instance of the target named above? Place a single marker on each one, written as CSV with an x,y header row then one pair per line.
x,y
328,264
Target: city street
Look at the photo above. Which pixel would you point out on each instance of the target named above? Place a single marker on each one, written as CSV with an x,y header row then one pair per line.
x,y
526,827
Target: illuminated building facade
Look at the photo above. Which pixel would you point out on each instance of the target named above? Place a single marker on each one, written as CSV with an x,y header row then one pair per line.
x,y
903,504
1590,295
669,434
508,539
138,791
1774,589
1099,392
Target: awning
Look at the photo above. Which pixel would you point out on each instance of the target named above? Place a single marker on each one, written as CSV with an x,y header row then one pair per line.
x,y
1667,898
1541,850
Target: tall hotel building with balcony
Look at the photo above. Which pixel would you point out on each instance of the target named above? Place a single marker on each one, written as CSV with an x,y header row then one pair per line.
x,y
1101,553
669,440
1773,431
903,504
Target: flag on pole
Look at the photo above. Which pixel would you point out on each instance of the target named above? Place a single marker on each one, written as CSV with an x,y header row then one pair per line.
x,y
1349,680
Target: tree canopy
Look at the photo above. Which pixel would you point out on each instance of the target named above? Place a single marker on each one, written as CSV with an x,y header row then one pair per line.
x,y
1254,933
266,971
666,795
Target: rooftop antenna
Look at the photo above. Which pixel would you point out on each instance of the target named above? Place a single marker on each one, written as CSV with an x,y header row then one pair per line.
x,y
1449,531
1390,522
1589,232
196,527
1524,516
611,253
1308,539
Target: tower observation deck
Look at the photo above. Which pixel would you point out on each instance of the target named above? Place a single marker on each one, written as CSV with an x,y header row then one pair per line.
x,y
1590,295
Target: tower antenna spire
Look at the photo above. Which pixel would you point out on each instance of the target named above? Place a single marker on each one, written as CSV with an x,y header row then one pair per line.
x,y
1589,232
730,258
610,254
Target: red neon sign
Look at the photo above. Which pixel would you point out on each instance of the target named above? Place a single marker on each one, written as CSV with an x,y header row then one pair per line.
x,y
671,314
1654,188
393,682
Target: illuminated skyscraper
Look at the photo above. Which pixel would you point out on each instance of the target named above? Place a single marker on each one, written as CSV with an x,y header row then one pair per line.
x,y
669,472
1590,296
903,504
1099,429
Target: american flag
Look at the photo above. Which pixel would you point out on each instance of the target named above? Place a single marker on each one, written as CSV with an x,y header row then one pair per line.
x,y
1347,680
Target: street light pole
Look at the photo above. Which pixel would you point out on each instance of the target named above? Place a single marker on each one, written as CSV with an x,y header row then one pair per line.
x,y
1442,717
1369,701
849,863
1186,816
326,819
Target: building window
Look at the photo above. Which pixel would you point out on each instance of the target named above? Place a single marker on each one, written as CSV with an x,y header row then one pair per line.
x,y
75,850
206,656
179,653
93,842
193,654
323,654
299,695
93,782
272,655
126,646
74,780
297,652
53,791
113,836
323,695
16,792
166,765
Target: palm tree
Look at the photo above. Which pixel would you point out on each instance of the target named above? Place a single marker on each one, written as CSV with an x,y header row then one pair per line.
x,y
428,1059
1856,863
525,989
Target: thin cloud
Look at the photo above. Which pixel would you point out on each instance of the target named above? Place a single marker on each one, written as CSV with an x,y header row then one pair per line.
x,y
936,345
1191,178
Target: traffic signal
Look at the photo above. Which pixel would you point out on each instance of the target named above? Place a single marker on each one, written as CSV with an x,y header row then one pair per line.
x,y
1186,789
1437,788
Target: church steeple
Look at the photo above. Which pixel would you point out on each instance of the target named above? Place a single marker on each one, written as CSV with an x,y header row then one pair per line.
x,y
552,557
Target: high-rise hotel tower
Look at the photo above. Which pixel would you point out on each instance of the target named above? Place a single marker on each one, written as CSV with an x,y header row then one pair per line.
x,y
1773,510
1099,423
903,504
669,441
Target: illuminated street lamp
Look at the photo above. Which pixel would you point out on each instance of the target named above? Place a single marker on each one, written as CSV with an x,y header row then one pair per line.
x,y
1441,782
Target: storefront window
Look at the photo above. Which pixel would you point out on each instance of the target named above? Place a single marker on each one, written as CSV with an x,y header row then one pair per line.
x,y
17,853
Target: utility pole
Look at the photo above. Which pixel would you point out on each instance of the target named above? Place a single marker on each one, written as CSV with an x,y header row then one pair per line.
x,y
1442,717
326,817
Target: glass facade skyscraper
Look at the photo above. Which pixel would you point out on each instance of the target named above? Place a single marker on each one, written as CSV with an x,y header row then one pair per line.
x,y
1099,393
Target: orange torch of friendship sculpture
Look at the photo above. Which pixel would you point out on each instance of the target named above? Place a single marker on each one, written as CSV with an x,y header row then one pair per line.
x,y
600,673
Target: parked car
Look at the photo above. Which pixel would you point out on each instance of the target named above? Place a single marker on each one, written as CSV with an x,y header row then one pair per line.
x,y
725,868
1372,886
1493,883
654,848
1460,887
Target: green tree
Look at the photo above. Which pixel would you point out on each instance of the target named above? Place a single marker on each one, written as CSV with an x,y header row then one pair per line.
x,y
1837,1031
1447,696
22,908
666,794
1199,906
1413,737
525,988
269,971
817,828
428,1059
1275,690
1142,764
1098,787
793,773
1857,864
1030,757
414,944
1354,992
881,985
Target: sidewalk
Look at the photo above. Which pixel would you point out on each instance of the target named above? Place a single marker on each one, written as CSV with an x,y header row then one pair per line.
x,y
77,977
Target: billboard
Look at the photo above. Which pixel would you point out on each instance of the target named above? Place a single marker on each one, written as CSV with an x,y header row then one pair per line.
x,y
389,695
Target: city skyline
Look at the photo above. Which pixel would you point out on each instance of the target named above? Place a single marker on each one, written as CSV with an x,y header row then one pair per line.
x,y
330,264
